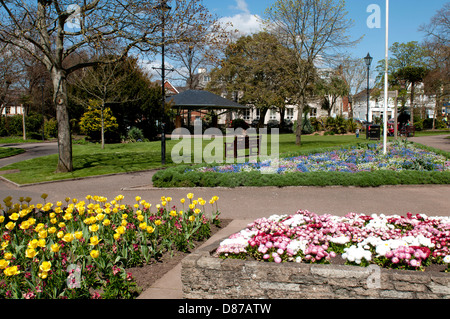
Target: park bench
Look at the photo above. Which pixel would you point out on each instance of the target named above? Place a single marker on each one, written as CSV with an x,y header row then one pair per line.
x,y
242,143
408,131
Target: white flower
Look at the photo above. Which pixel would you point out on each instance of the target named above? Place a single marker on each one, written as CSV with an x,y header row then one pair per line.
x,y
356,254
447,259
342,240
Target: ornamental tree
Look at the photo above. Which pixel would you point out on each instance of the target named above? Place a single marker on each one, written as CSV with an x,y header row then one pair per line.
x,y
56,31
315,31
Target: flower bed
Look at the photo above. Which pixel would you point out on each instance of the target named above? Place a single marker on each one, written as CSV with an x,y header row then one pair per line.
x,y
410,242
364,166
80,249
357,159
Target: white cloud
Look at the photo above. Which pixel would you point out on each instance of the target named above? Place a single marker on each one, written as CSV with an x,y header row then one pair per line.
x,y
244,21
241,5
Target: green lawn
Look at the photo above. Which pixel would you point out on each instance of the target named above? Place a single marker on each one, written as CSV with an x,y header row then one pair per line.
x,y
10,151
90,160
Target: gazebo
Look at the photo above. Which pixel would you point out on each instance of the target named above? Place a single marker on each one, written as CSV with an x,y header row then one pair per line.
x,y
198,101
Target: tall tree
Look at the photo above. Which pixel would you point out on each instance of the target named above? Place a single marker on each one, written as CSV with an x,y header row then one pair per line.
x,y
315,30
408,65
331,89
437,47
256,68
54,30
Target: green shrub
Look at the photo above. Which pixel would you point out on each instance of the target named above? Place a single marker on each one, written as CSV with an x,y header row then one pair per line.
x,y
135,134
51,128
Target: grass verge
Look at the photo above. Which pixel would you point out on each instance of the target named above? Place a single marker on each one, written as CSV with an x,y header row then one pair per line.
x,y
10,151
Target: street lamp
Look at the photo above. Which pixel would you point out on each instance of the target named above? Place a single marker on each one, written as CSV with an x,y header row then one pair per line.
x,y
368,59
165,8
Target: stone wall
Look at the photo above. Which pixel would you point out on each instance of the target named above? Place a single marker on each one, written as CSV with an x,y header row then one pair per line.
x,y
207,277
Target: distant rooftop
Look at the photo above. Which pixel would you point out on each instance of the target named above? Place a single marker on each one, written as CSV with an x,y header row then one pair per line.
x,y
199,99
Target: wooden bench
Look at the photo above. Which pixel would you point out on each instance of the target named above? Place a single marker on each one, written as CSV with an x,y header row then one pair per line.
x,y
242,143
408,131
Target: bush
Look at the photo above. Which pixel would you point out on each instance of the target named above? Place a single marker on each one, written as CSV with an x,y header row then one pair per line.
x,y
51,128
135,135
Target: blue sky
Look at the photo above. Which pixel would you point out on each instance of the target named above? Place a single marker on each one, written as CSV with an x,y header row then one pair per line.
x,y
404,20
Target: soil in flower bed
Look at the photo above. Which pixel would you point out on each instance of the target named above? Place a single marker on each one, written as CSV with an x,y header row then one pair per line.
x,y
145,276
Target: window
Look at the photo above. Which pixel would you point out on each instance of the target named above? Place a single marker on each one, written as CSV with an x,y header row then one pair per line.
x,y
273,114
247,114
289,114
313,113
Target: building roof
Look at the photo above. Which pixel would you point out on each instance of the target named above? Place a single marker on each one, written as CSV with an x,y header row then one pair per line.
x,y
199,99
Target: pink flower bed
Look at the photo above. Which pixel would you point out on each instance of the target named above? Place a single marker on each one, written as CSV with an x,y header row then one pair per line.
x,y
401,242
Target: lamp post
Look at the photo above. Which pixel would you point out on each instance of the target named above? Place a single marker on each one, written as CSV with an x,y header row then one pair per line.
x,y
368,59
164,8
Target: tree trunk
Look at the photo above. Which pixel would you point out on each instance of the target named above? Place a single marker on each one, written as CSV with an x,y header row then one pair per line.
x,y
103,125
298,131
412,102
62,116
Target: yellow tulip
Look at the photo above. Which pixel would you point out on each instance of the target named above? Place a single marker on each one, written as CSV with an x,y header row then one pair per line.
x,y
173,213
192,218
43,234
11,271
2,219
78,235
93,228
120,230
3,263
41,242
190,196
24,225
182,200
106,222
157,222
55,248
33,243
137,198
52,230
150,229
45,266
14,216
143,226
94,241
116,236
94,254
60,234
68,237
30,252
8,256
39,227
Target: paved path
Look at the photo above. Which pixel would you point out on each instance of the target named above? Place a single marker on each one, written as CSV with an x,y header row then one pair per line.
x,y
246,204
437,141
32,150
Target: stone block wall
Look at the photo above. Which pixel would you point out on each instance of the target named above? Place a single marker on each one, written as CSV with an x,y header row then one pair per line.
x,y
207,277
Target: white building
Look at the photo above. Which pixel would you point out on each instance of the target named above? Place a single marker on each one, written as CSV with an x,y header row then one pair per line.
x,y
422,103
12,110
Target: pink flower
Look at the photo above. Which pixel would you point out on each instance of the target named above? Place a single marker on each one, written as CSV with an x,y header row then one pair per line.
x,y
277,259
395,260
